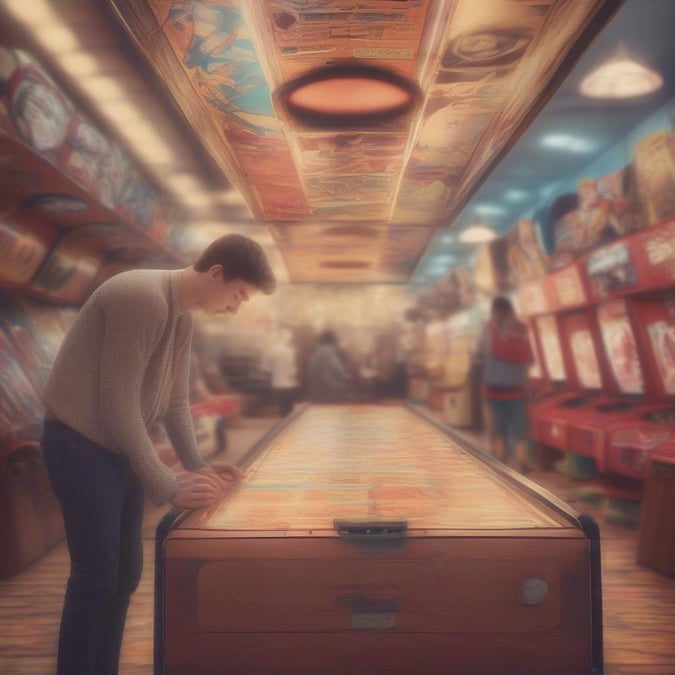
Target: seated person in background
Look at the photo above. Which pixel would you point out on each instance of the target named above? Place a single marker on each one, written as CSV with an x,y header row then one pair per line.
x,y
328,381
506,354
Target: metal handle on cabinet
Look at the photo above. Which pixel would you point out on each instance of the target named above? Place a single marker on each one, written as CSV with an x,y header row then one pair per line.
x,y
371,531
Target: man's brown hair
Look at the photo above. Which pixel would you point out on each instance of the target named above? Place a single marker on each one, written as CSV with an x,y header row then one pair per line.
x,y
241,258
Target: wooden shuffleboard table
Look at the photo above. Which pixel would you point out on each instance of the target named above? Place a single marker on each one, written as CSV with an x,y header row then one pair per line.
x,y
368,539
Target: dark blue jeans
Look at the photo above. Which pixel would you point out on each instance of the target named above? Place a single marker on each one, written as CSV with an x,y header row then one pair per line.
x,y
102,503
509,422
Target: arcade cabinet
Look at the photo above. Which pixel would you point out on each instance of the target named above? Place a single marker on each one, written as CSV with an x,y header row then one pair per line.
x,y
569,349
369,539
636,326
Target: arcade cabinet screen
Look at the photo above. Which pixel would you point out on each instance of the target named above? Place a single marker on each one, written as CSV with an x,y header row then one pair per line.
x,y
662,338
550,344
585,360
619,342
535,371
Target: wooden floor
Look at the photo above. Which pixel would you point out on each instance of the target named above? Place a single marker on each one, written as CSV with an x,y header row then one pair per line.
x,y
638,604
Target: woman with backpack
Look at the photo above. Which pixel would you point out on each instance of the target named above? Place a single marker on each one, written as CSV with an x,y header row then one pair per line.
x,y
506,355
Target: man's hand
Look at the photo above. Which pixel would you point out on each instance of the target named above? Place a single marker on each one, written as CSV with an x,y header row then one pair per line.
x,y
227,475
226,471
196,490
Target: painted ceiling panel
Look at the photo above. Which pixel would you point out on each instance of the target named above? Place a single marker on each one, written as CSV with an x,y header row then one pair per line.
x,y
307,34
483,67
350,253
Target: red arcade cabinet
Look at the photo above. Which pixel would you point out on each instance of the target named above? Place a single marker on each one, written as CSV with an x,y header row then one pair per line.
x,y
582,346
531,300
636,327
623,383
631,442
569,350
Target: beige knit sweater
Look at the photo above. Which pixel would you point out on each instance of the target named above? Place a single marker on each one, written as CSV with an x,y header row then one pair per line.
x,y
123,365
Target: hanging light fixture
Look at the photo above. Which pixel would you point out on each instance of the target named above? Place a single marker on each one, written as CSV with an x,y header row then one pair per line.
x,y
477,234
621,76
348,95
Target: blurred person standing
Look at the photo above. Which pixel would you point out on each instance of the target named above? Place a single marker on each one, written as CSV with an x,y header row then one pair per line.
x,y
122,367
328,380
506,355
281,364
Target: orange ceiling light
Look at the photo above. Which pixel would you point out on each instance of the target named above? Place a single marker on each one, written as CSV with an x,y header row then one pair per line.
x,y
348,95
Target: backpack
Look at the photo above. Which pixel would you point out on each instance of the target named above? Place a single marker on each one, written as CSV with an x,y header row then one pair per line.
x,y
507,357
511,345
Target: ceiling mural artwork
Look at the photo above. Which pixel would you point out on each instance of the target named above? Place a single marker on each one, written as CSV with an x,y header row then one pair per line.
x,y
359,203
350,250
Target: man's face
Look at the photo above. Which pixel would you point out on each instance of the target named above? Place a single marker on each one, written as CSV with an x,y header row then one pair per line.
x,y
224,297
